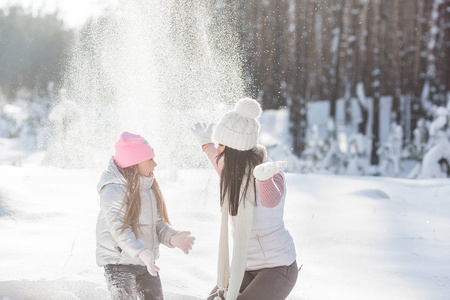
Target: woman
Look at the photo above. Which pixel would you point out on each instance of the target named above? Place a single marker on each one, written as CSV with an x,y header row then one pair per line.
x,y
252,192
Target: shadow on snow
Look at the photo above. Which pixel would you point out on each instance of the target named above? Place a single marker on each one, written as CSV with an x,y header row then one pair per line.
x,y
63,290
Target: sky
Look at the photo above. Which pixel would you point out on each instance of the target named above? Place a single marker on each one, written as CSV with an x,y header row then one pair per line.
x,y
74,13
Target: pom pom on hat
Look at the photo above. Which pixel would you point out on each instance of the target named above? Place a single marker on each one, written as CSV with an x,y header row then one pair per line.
x,y
248,108
132,149
239,128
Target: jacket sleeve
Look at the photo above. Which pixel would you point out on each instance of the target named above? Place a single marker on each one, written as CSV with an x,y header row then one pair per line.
x,y
211,151
244,223
164,231
271,190
111,200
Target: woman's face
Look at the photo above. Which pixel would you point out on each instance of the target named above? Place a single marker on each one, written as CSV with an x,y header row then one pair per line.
x,y
146,167
220,148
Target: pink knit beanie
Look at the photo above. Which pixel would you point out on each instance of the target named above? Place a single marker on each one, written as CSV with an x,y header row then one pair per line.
x,y
132,149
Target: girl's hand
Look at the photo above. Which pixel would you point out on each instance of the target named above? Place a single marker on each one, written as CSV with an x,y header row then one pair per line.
x,y
149,260
182,240
267,170
203,133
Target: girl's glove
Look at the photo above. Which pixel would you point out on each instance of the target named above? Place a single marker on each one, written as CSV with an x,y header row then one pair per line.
x,y
221,294
218,293
182,240
149,260
268,169
203,133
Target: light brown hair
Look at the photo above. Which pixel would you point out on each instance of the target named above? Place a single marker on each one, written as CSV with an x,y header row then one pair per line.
x,y
133,200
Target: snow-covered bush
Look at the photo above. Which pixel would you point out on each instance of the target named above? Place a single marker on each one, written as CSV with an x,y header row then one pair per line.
x,y
358,155
333,160
313,154
13,118
36,131
436,160
26,119
416,149
390,152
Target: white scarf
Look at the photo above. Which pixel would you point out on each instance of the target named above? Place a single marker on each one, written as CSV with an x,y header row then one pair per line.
x,y
244,220
146,182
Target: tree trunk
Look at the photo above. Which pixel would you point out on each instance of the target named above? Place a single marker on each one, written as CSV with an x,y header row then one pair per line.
x,y
396,108
429,89
298,108
418,47
376,82
442,47
336,60
347,54
361,64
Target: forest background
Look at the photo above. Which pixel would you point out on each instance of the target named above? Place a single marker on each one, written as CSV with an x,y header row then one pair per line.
x,y
294,53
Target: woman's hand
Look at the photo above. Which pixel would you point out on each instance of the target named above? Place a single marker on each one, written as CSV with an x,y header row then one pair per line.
x,y
182,240
268,169
149,260
203,133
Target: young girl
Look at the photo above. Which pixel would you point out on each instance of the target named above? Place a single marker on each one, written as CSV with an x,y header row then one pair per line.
x,y
264,264
133,221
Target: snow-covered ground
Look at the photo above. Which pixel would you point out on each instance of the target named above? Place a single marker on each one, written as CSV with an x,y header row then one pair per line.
x,y
356,237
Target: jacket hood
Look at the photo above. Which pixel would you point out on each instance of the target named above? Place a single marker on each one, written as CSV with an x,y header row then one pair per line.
x,y
111,176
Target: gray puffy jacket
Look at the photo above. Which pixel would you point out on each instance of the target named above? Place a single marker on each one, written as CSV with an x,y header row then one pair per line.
x,y
114,247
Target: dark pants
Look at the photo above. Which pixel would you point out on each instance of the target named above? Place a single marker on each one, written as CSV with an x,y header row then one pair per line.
x,y
129,281
266,284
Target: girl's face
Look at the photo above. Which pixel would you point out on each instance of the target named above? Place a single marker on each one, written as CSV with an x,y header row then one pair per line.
x,y
146,167
220,148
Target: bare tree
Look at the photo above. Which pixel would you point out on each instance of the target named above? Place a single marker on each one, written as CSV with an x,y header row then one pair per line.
x,y
336,50
301,93
361,63
376,72
397,88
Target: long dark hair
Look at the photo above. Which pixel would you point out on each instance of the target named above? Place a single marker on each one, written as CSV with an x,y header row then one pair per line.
x,y
237,166
133,200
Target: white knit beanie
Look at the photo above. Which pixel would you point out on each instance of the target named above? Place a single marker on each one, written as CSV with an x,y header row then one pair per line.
x,y
239,129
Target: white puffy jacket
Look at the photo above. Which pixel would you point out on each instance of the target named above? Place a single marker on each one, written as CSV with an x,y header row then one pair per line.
x,y
116,248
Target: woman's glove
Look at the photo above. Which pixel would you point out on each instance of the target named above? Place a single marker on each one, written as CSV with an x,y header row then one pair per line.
x,y
182,240
268,169
149,260
203,133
